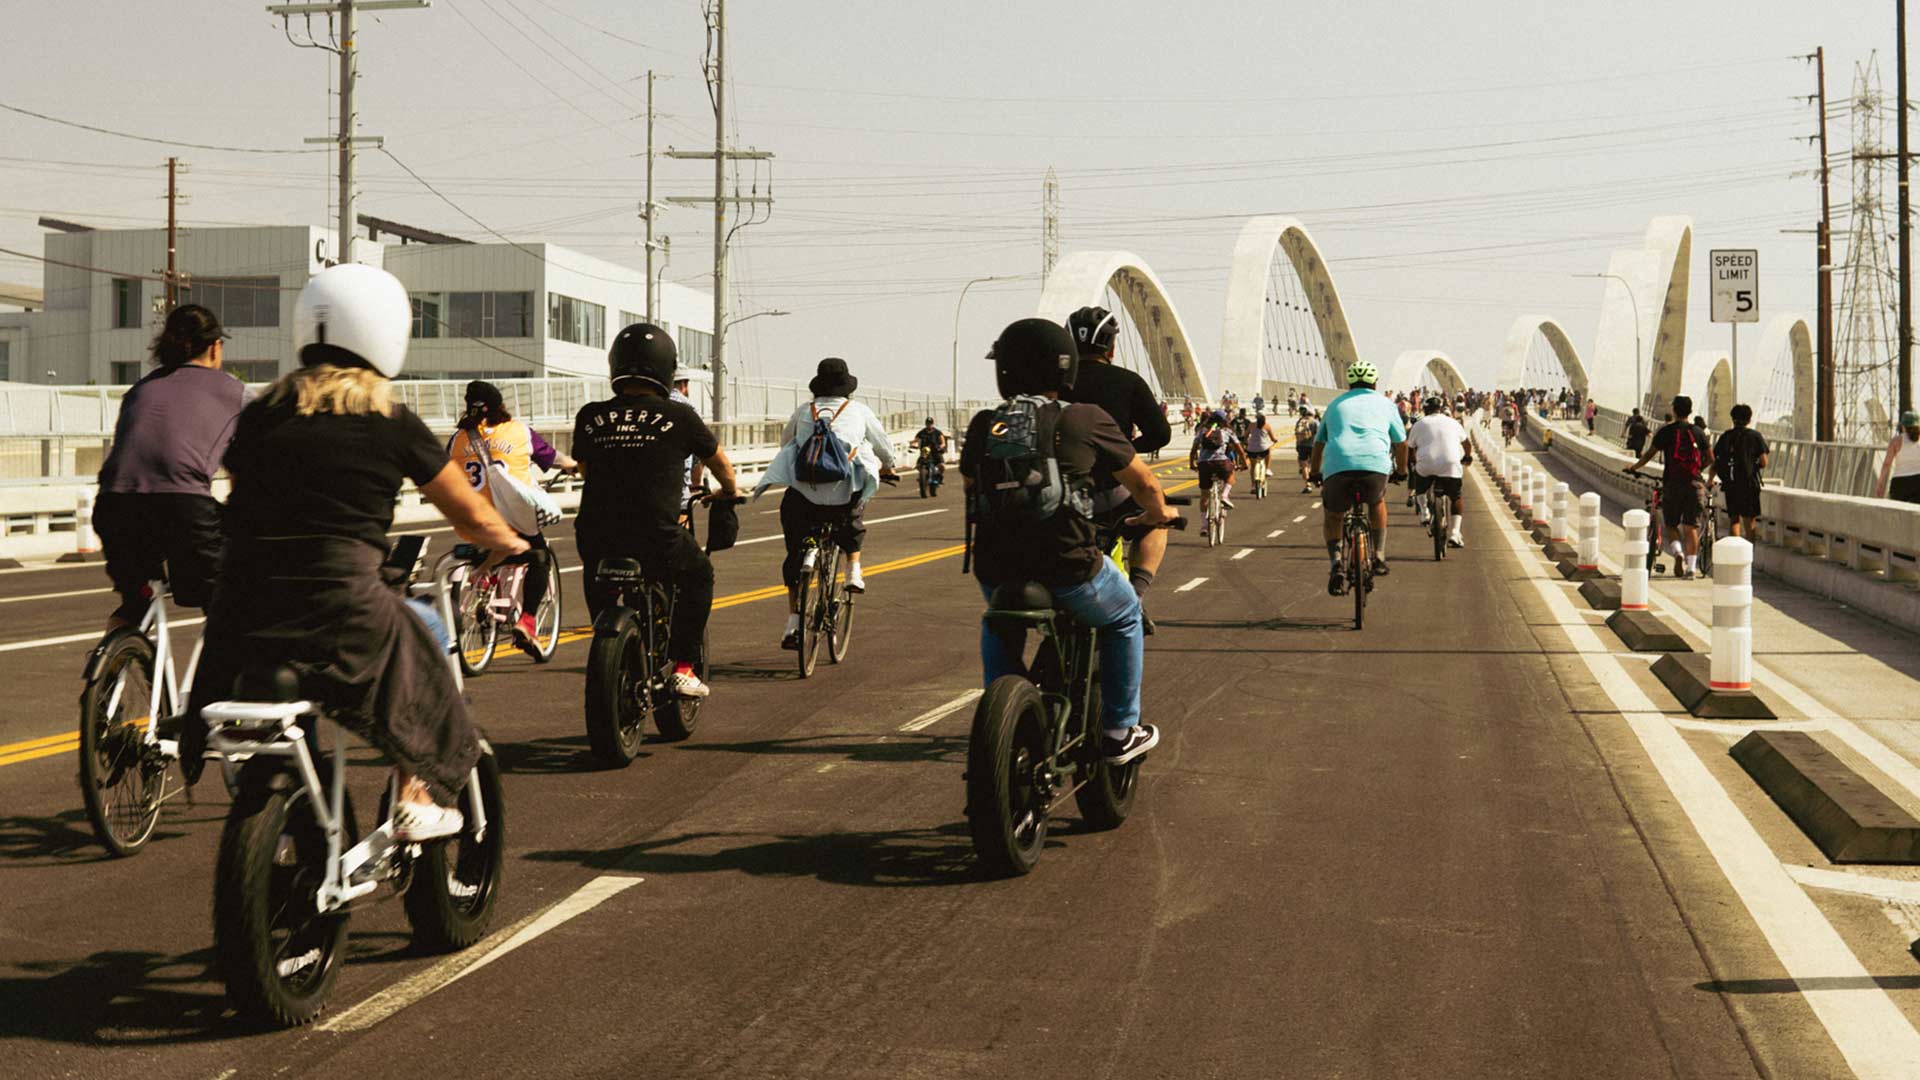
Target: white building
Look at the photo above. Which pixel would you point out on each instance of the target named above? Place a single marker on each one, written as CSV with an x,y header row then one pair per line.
x,y
481,310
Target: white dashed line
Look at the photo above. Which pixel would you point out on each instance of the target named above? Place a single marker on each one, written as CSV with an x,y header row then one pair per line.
x,y
1275,533
1316,504
1191,585
1301,518
934,715
1242,553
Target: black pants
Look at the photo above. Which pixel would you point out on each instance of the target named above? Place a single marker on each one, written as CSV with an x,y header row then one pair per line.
x,y
151,537
799,517
672,557
533,586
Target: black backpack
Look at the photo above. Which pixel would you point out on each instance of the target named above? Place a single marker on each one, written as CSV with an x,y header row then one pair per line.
x,y
1019,480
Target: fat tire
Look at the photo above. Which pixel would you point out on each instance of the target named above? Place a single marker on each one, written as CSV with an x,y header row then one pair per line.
x,y
607,675
991,783
677,717
1106,798
442,920
123,648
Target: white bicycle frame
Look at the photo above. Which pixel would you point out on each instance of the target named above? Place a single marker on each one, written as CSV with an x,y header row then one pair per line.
x,y
166,686
272,729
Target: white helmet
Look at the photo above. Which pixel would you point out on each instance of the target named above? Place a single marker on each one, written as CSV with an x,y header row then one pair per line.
x,y
359,309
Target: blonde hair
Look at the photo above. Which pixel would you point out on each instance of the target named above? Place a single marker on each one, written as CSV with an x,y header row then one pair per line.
x,y
339,391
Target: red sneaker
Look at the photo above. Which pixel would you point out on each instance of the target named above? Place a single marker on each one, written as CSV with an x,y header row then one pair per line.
x,y
526,634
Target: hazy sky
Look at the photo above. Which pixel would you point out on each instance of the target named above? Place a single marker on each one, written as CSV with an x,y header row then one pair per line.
x,y
1457,162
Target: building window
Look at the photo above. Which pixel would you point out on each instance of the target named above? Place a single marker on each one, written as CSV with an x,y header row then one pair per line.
x,y
696,348
127,372
576,321
427,315
240,301
252,371
6,360
126,303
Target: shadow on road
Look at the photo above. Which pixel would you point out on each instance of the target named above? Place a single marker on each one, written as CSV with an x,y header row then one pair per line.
x,y
66,838
895,748
1796,986
115,999
942,855
1256,624
555,756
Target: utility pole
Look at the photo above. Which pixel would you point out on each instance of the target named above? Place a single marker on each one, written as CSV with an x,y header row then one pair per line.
x,y
349,71
1823,268
1049,225
1906,214
173,220
650,209
720,199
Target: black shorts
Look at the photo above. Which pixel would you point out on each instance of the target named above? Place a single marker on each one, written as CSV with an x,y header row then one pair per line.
x,y
1259,455
1680,503
1904,489
1304,450
1742,501
1210,471
1343,489
150,536
1448,485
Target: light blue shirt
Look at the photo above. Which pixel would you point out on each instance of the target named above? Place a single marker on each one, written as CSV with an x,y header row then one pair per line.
x,y
1360,428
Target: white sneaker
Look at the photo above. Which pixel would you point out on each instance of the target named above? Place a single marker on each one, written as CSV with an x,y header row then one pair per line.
x,y
855,583
415,823
686,684
1425,518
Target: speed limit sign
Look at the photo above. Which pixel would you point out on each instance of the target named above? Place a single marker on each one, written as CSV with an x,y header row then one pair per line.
x,y
1736,284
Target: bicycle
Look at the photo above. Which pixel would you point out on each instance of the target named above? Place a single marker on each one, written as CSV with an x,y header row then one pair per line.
x,y
1439,520
932,471
1034,742
1709,528
1355,562
130,689
1213,513
486,603
826,605
291,862
1259,470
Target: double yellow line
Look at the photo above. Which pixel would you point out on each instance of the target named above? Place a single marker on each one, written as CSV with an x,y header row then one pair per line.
x,y
47,746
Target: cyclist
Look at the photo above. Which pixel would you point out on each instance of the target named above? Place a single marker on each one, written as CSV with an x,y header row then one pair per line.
x,y
1127,398
1360,442
808,504
632,449
1034,361
1216,450
695,472
488,432
1686,464
1260,440
1437,449
1509,420
934,441
1304,431
156,515
316,466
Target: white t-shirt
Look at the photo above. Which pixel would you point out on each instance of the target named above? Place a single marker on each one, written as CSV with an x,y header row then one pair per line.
x,y
1435,446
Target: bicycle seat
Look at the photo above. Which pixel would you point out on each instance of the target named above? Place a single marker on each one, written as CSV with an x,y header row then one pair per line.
x,y
618,570
1021,596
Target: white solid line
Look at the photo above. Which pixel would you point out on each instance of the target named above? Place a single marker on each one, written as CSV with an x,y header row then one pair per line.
x,y
1302,517
53,595
870,521
90,635
1316,504
1275,533
1242,553
407,991
933,715
1191,585
1889,889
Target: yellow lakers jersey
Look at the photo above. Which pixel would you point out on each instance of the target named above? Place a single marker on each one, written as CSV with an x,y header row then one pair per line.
x,y
509,443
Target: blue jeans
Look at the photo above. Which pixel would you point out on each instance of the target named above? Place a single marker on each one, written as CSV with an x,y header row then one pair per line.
x,y
429,613
1106,602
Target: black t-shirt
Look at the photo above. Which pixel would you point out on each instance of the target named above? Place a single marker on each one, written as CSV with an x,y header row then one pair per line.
x,y
1736,456
1059,552
1636,433
929,438
325,474
1128,399
635,448
1667,442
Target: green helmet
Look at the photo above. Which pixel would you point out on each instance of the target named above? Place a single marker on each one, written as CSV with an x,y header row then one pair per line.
x,y
1360,372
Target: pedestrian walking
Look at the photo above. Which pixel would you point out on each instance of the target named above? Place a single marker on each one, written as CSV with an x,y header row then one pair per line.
x,y
1900,472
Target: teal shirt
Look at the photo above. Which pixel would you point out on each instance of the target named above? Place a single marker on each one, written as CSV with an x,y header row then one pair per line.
x,y
1359,430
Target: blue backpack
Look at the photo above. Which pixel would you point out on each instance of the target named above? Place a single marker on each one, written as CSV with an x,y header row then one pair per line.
x,y
823,458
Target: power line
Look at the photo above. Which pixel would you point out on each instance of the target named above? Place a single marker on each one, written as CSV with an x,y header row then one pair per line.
x,y
149,138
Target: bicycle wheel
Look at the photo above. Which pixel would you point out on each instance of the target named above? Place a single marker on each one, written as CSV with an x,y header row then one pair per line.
x,y
926,485
677,716
839,622
546,620
476,631
1361,576
813,609
616,681
1106,797
1439,513
277,953
457,880
121,775
1709,532
1006,811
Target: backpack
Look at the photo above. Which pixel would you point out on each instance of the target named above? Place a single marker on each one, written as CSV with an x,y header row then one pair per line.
x,y
823,458
1688,459
1020,482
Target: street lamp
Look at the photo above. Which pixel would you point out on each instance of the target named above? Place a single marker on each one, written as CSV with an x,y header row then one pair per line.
x,y
956,329
734,322
1639,392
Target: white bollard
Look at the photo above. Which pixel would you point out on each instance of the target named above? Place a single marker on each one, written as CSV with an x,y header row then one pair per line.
x,y
1588,557
1540,497
1633,578
1524,491
1732,656
86,541
1558,532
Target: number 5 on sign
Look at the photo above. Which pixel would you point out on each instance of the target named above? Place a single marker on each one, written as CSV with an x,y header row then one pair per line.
x,y
1735,284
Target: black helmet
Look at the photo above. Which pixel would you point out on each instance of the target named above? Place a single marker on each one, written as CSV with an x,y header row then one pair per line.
x,y
1094,330
1432,405
643,351
1034,356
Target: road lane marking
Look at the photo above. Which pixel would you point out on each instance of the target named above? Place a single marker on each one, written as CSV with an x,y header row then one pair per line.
x,y
90,635
1316,505
1191,585
873,521
1299,519
1892,890
62,744
1242,553
1865,1025
1275,533
54,595
934,715
496,945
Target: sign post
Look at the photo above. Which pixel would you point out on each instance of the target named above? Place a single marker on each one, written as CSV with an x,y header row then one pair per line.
x,y
1736,295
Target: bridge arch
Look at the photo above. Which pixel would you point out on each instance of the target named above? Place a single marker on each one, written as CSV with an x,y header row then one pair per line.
x,y
1655,286
1787,336
1513,364
1709,382
1413,368
1086,277
1246,332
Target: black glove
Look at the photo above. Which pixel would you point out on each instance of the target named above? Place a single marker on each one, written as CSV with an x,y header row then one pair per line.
x,y
1397,478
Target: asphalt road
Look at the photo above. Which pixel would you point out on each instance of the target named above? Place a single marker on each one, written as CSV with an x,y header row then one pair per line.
x,y
1391,852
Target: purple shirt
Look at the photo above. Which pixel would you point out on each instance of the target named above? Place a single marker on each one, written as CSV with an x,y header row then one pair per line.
x,y
174,426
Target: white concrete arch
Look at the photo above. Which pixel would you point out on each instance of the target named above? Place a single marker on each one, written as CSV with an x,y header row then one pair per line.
x,y
1513,364
1243,325
1082,279
1708,380
1656,282
1788,334
1425,367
